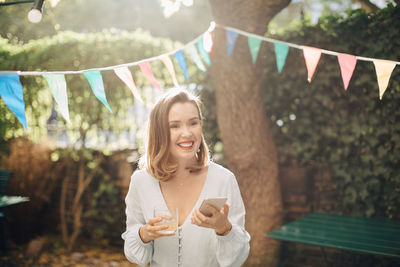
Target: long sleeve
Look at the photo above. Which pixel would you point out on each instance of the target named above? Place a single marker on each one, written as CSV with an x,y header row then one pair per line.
x,y
135,249
233,248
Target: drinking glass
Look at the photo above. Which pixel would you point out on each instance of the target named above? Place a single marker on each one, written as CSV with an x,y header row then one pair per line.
x,y
169,217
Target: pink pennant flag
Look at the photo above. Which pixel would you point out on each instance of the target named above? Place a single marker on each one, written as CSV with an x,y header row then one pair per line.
x,y
168,63
384,69
146,69
312,56
347,65
126,76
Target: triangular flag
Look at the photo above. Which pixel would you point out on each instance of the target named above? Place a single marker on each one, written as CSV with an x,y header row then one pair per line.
x,y
231,37
384,69
254,45
13,96
170,67
96,82
311,56
180,57
58,88
191,49
347,65
203,52
126,76
146,69
281,51
207,41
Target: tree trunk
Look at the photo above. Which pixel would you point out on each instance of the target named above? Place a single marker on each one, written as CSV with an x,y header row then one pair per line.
x,y
248,143
368,6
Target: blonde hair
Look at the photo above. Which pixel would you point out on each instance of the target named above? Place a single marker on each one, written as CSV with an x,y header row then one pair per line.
x,y
157,159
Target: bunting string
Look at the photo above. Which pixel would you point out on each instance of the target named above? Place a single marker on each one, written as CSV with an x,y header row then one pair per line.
x,y
270,40
198,49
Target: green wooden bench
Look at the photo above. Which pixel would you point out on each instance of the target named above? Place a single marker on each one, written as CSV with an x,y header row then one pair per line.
x,y
366,235
5,202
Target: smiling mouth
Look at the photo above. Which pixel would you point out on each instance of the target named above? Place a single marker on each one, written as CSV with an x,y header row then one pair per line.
x,y
186,145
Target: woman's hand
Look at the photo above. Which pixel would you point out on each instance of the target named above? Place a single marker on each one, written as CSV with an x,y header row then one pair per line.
x,y
218,220
150,231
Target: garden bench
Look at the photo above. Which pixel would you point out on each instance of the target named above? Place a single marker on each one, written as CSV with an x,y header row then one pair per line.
x,y
366,235
6,201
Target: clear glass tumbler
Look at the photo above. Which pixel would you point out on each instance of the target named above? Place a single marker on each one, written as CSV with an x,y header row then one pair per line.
x,y
169,217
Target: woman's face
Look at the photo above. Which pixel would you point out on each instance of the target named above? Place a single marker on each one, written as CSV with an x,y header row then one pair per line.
x,y
185,131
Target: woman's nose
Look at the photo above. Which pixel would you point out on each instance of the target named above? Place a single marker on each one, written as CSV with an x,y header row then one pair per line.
x,y
186,131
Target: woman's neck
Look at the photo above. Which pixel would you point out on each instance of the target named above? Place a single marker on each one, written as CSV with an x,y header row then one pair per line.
x,y
182,170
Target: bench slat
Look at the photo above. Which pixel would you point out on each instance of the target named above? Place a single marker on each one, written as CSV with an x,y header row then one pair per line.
x,y
376,236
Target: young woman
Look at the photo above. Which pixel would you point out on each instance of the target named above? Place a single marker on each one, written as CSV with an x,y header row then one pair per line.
x,y
177,173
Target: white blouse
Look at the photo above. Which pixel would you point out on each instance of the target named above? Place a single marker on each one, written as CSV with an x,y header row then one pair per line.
x,y
191,245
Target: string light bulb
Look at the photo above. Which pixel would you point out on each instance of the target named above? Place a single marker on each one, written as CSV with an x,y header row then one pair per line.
x,y
35,14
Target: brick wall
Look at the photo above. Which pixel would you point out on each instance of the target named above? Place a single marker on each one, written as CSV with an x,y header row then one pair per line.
x,y
306,189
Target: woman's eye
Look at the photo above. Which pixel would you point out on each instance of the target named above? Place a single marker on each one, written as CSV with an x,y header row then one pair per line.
x,y
194,123
174,126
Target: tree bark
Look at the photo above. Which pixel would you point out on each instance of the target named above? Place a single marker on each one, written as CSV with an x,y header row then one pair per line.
x,y
368,6
63,216
248,143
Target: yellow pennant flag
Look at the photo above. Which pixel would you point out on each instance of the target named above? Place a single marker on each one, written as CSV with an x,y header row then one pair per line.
x,y
126,76
168,63
384,69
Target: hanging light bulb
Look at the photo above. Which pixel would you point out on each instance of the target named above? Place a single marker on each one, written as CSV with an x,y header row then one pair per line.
x,y
35,14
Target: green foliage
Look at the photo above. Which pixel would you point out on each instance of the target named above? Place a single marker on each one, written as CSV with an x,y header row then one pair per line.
x,y
105,215
352,131
73,51
91,123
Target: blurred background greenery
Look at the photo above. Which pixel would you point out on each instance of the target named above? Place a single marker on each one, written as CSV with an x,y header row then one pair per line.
x,y
353,133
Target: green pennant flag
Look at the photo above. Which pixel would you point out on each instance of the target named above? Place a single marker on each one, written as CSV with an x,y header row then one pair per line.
x,y
203,51
281,51
58,88
96,82
254,45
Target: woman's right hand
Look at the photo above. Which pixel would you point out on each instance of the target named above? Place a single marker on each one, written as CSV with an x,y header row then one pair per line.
x,y
150,231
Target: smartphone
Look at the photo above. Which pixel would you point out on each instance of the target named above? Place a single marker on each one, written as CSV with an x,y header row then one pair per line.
x,y
217,203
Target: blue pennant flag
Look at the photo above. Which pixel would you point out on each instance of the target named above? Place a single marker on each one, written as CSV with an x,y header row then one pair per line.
x,y
13,96
230,41
180,57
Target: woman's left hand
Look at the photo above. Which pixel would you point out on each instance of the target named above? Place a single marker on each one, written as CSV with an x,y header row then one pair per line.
x,y
218,220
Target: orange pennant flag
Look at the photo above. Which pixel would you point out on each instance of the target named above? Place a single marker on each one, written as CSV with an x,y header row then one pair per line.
x,y
126,76
312,56
347,65
146,69
384,69
168,63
